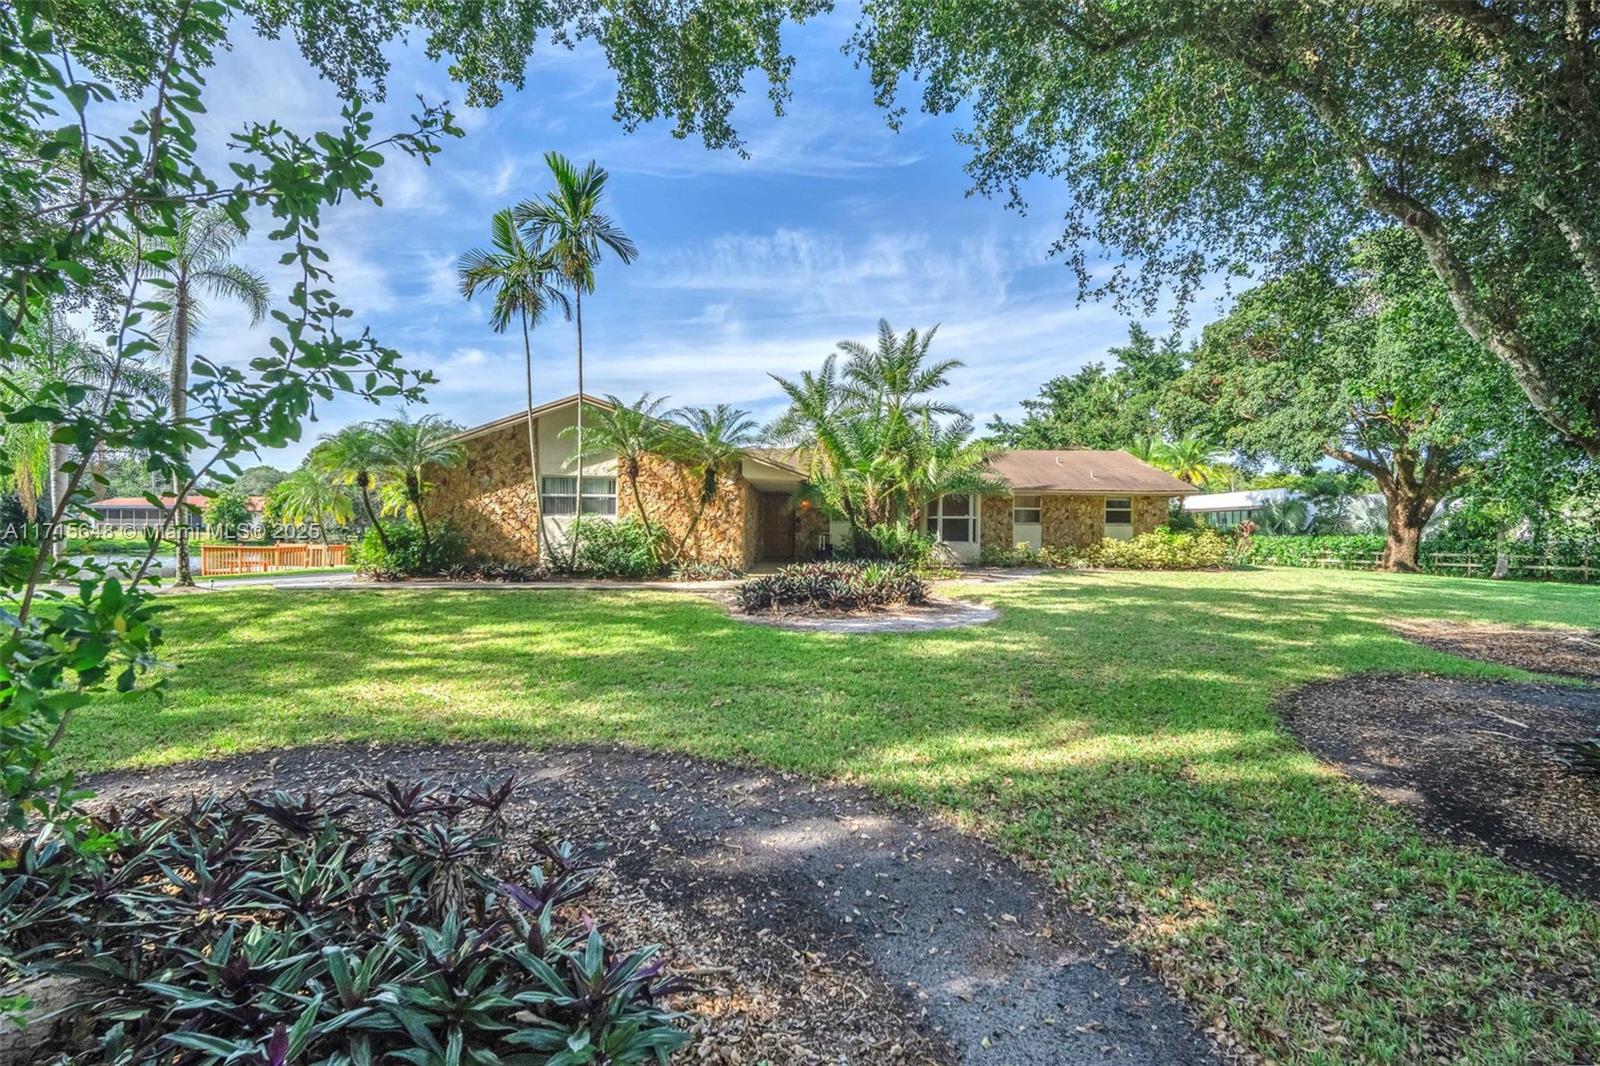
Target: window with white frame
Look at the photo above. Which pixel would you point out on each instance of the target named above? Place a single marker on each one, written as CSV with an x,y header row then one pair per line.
x,y
1026,510
954,519
558,496
1119,511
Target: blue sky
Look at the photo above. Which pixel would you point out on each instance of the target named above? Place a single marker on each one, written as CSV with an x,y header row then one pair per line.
x,y
747,265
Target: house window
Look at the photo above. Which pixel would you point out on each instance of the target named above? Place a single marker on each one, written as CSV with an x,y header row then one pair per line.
x,y
1119,517
558,496
954,519
600,495
1025,510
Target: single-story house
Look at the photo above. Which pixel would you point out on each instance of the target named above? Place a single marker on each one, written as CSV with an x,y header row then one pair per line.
x,y
138,513
1224,510
1057,499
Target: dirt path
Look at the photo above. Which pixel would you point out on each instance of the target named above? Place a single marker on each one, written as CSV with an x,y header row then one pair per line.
x,y
867,935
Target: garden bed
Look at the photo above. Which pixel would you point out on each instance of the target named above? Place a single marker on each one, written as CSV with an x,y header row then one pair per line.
x,y
1570,652
820,927
1477,762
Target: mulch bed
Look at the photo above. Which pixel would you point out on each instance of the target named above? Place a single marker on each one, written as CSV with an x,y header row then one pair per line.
x,y
902,618
823,927
1476,762
1569,652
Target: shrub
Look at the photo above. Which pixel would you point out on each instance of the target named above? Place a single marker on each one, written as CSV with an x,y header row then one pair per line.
x,y
404,557
624,548
698,571
1163,549
900,543
275,928
835,586
513,571
1349,549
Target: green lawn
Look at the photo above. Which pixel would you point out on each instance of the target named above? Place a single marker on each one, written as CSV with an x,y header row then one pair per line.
x,y
1114,727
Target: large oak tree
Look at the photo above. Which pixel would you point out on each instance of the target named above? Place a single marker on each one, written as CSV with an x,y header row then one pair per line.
x,y
1202,135
1366,367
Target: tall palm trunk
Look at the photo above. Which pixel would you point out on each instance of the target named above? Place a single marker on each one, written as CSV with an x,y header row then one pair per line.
x,y
533,443
364,483
58,489
180,410
577,520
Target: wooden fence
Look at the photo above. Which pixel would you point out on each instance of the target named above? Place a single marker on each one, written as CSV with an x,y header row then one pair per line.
x,y
265,558
1518,564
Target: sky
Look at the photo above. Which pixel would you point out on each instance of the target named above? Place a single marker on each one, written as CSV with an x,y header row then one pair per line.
x,y
747,266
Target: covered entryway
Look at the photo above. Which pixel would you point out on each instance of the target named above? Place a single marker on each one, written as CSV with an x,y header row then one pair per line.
x,y
777,527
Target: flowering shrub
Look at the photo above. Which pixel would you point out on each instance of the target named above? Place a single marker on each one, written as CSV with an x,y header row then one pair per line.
x,y
833,586
269,929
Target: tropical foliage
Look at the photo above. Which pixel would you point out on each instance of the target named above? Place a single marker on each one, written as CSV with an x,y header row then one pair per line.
x,y
309,497
833,586
521,277
390,922
576,233
401,451
876,444
1161,549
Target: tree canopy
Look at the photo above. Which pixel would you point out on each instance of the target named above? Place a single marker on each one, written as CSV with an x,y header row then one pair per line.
x,y
1101,406
1198,136
1365,366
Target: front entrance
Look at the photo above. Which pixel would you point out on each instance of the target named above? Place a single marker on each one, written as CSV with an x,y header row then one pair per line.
x,y
777,526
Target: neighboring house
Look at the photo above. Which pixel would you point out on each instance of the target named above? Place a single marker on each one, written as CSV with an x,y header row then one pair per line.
x,y
1058,499
138,513
1224,510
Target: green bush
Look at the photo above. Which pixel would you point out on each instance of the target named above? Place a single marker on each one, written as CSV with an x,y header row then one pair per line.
x,y
1349,549
898,542
611,549
404,556
1162,549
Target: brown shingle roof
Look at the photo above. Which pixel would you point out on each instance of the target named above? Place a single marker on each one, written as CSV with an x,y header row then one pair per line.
x,y
1084,471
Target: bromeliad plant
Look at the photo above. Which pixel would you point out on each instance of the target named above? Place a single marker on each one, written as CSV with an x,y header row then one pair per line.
x,y
344,928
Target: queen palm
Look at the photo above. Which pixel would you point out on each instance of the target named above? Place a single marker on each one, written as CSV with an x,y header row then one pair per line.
x,y
709,441
309,495
568,221
403,450
520,275
194,258
349,457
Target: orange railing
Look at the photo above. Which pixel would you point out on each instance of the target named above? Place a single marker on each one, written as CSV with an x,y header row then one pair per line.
x,y
265,558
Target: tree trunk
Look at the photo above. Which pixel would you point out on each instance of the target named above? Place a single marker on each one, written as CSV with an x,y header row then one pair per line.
x,y
1408,514
180,409
533,443
58,489
363,481
577,521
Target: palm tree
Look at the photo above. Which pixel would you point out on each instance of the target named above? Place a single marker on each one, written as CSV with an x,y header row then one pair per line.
x,y
403,449
945,462
1146,450
195,259
708,441
308,495
518,273
630,432
60,355
1190,458
892,379
568,222
348,457
1286,517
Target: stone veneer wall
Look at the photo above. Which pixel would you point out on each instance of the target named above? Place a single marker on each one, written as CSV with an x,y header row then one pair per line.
x,y
1080,521
811,523
995,530
726,533
1149,512
491,497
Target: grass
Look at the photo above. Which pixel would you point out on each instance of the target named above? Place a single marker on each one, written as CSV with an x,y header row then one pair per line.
x,y
1115,728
